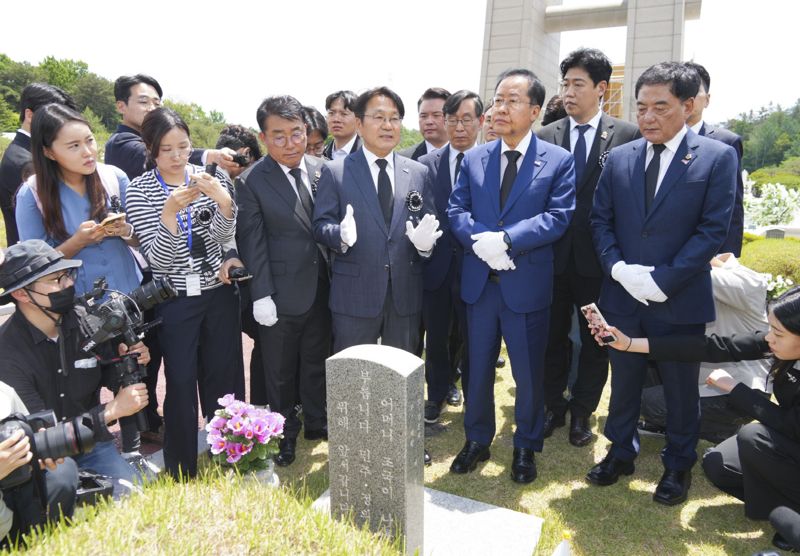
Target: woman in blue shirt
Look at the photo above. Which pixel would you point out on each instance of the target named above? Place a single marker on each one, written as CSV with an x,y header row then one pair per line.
x,y
70,197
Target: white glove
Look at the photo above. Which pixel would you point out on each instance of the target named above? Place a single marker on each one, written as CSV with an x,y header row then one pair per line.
x,y
650,289
632,278
347,229
424,236
265,312
502,262
489,245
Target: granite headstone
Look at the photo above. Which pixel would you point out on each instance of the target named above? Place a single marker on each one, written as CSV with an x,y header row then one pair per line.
x,y
375,428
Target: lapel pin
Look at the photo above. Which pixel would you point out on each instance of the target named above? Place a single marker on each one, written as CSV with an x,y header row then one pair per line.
x,y
604,135
537,162
688,158
405,170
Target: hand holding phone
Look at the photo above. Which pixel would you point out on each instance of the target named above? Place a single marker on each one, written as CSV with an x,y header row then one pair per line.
x,y
112,218
598,323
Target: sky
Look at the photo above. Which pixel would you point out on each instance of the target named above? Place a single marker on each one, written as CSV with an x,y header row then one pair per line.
x,y
229,56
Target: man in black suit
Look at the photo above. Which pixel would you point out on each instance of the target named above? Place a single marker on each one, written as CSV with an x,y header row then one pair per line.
x,y
18,152
443,310
290,283
342,125
136,95
733,243
589,134
430,107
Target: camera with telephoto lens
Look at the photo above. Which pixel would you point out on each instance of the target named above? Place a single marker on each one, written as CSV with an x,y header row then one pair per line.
x,y
241,160
58,440
106,314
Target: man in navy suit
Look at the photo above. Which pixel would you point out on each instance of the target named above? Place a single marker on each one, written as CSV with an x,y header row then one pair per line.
x,y
733,243
375,210
589,133
18,154
443,311
342,125
430,107
513,199
661,211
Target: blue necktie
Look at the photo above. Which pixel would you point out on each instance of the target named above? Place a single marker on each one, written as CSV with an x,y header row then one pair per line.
x,y
580,153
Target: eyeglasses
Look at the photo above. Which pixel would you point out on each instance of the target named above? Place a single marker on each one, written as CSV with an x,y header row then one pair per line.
x,y
148,102
62,279
510,103
466,121
339,113
380,118
280,141
180,152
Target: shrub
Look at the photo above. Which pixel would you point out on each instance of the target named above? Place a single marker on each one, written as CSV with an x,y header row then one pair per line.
x,y
773,256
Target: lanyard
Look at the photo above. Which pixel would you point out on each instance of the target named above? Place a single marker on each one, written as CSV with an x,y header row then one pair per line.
x,y
187,227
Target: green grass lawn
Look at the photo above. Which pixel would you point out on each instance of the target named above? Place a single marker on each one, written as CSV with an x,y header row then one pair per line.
x,y
211,515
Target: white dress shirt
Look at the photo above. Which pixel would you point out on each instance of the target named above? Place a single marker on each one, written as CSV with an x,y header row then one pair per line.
x,y
303,175
345,150
697,127
666,155
453,159
522,148
588,135
374,168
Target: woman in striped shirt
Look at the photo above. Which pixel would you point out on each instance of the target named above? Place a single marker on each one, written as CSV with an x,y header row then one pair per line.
x,y
183,216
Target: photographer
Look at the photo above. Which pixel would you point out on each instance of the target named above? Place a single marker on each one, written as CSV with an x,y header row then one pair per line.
x,y
760,465
43,333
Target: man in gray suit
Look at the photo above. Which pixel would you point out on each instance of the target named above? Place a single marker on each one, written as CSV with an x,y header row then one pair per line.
x,y
430,107
589,133
375,209
290,283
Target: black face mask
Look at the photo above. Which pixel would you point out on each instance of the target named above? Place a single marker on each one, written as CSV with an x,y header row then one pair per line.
x,y
61,302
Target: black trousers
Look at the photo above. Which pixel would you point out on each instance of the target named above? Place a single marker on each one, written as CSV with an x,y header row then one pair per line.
x,y
258,390
297,347
571,290
393,329
10,220
444,315
202,344
759,466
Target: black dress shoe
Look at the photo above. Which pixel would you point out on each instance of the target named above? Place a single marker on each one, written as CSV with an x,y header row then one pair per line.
x,y
523,466
286,455
552,422
432,412
426,458
782,544
316,434
673,488
454,396
469,456
607,472
501,362
580,433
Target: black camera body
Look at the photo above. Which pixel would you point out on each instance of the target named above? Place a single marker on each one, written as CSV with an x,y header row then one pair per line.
x,y
241,160
73,437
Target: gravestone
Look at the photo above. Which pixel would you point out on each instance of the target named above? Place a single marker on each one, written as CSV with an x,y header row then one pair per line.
x,y
375,439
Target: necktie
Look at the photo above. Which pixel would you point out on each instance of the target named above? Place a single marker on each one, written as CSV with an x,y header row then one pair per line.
x,y
651,177
509,176
580,153
459,158
302,192
385,195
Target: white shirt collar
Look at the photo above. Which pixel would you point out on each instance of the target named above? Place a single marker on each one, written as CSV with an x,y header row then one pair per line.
x,y
430,148
697,127
348,146
675,142
594,122
372,157
455,152
521,148
22,131
302,166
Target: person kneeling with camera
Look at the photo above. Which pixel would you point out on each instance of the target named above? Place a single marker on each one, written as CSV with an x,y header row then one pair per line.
x,y
42,360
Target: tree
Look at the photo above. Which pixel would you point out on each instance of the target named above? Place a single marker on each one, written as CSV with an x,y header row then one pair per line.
x,y
9,119
96,92
63,73
776,205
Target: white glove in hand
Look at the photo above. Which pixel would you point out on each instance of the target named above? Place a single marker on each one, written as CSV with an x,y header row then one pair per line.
x,y
347,229
632,278
502,262
650,289
489,245
265,312
424,236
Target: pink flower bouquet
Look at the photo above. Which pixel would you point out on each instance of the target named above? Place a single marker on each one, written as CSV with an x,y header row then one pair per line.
x,y
242,436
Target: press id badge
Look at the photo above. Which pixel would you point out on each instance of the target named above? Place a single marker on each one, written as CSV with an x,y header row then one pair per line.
x,y
193,285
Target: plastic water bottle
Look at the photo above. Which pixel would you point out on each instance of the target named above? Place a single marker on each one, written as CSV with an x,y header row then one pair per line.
x,y
563,548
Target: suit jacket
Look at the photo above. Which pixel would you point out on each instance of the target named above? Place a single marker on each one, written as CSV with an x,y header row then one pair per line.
x,y
125,149
577,241
16,156
732,243
415,151
362,272
327,152
686,225
447,250
275,237
536,214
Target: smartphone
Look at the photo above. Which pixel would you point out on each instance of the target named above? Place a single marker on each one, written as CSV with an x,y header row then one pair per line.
x,y
596,319
111,218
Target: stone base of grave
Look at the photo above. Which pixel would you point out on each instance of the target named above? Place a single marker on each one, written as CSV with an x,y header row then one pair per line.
x,y
457,525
